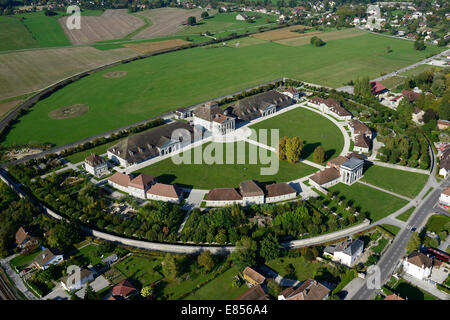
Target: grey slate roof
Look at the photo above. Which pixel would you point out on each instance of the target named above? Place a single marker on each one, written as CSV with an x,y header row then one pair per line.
x,y
352,163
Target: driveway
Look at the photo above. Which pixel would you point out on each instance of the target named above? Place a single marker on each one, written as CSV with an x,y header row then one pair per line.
x,y
18,283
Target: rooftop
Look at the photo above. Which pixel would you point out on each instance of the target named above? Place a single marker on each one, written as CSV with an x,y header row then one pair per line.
x,y
352,163
223,194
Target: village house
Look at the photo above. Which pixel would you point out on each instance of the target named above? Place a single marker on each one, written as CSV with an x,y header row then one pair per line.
x,y
22,237
346,252
378,88
251,193
443,124
418,265
308,290
139,185
254,293
444,198
164,192
444,163
220,197
123,290
211,118
47,257
279,192
411,96
332,107
152,143
417,115
253,277
74,282
241,17
259,105
96,165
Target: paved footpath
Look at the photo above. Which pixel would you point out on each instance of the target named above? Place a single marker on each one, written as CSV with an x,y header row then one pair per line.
x,y
18,282
384,190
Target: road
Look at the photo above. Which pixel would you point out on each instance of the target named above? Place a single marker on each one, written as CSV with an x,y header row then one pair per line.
x,y
5,291
397,250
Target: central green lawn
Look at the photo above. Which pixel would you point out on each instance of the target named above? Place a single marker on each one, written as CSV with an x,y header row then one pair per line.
x,y
311,127
159,83
378,203
205,176
220,288
406,183
142,269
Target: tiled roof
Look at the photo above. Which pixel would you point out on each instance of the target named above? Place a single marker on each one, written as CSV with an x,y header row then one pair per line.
x,y
325,176
120,178
223,194
254,275
94,160
279,189
377,87
21,236
123,289
250,189
361,141
420,260
393,296
410,95
165,190
446,191
45,256
208,111
308,290
142,181
359,127
254,293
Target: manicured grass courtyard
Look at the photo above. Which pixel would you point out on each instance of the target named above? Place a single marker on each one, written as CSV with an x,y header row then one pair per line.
x,y
157,84
205,176
392,229
405,215
406,183
20,262
313,128
377,203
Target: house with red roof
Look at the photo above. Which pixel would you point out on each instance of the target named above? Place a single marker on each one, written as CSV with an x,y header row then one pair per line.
x,y
123,290
378,88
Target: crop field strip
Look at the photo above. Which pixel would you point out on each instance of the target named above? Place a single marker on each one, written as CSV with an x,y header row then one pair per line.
x,y
325,36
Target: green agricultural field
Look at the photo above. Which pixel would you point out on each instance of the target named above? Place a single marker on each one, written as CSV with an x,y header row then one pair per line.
x,y
377,203
226,22
158,84
204,176
406,183
220,288
14,35
313,128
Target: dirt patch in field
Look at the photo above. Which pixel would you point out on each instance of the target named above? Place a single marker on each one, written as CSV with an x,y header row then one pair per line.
x,y
325,36
68,112
115,74
6,106
112,24
283,33
150,47
31,70
166,21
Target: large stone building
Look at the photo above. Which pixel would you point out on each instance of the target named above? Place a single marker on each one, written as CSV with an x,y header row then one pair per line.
x,y
251,193
418,265
444,198
332,107
212,118
96,165
152,143
220,197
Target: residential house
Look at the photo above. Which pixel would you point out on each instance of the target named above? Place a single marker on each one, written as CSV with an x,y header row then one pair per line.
x,y
378,88
411,96
346,252
308,290
162,140
220,197
418,265
96,165
253,277
444,162
139,185
362,143
241,17
251,193
123,290
254,293
444,198
443,124
47,257
73,281
164,192
260,105
279,192
211,118
417,115
22,237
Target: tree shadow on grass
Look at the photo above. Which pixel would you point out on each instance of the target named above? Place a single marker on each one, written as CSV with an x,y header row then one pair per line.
x,y
407,290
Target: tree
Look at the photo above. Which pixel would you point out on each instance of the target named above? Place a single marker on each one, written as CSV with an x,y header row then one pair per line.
x,y
270,249
429,114
90,294
170,266
205,14
316,41
405,109
245,253
282,148
414,242
146,291
444,107
319,154
274,288
206,260
438,87
363,88
192,21
63,235
419,45
294,148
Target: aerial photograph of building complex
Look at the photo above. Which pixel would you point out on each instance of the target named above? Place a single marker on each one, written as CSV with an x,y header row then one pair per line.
x,y
224,154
